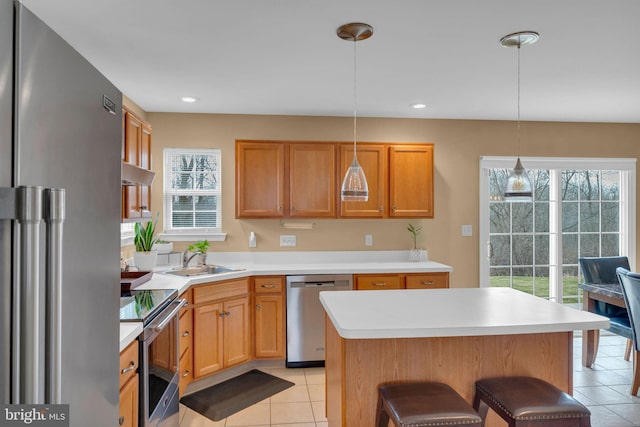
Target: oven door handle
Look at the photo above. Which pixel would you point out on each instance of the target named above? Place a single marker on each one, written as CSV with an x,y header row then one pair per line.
x,y
169,316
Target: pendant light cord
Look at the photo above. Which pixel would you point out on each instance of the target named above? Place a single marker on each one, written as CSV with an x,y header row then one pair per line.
x,y
518,125
355,98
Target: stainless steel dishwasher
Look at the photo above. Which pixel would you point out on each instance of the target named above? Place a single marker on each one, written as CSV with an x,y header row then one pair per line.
x,y
305,316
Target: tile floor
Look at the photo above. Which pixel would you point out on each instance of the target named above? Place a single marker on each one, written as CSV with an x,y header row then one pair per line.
x,y
603,388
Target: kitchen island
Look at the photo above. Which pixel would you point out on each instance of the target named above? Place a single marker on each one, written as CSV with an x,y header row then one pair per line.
x,y
455,336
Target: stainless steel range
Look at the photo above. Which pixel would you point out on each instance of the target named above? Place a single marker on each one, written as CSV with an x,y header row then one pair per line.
x,y
158,311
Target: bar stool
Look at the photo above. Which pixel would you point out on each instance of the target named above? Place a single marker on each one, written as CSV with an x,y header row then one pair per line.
x,y
529,402
423,404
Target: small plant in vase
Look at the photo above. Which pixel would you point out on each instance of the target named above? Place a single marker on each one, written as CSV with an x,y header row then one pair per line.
x,y
415,254
145,256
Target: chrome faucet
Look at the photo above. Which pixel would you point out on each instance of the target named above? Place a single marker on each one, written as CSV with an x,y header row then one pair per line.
x,y
185,260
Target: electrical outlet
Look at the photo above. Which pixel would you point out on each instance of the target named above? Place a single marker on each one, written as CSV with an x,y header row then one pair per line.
x,y
368,240
288,240
467,230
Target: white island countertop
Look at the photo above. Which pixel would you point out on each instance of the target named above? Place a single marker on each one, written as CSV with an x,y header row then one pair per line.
x,y
449,313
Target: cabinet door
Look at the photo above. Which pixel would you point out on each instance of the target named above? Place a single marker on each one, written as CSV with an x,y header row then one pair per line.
x,y
411,181
128,412
377,282
186,331
132,138
207,339
373,160
312,180
270,326
145,163
237,347
259,180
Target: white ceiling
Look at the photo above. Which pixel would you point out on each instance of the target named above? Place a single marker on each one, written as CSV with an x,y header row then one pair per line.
x,y
283,56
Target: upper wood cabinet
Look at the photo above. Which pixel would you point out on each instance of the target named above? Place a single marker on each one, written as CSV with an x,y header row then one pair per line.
x,y
260,180
312,180
136,199
373,160
277,179
411,181
281,179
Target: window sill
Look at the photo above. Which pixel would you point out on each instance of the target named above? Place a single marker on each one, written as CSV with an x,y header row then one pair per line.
x,y
188,237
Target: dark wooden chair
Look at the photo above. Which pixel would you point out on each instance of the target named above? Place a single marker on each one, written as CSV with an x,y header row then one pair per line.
x,y
423,404
529,402
630,283
603,270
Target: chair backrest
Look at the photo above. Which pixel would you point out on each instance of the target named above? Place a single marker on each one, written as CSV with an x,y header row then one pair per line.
x,y
602,269
630,283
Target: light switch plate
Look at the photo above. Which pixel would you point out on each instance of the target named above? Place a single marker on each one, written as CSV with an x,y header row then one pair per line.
x,y
288,240
467,230
368,240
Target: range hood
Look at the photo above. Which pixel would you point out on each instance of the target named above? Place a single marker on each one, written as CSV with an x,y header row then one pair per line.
x,y
134,175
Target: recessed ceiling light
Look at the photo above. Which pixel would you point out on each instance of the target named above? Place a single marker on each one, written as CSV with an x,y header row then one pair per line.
x,y
418,106
189,99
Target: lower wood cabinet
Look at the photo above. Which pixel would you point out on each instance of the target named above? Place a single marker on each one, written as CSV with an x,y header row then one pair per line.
x,y
129,386
269,317
427,280
372,282
185,326
221,326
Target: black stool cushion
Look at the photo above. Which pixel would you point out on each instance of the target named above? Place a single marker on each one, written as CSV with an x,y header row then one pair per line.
x,y
526,398
427,404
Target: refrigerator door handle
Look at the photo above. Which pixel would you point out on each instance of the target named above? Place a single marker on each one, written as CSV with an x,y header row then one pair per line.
x,y
26,320
54,216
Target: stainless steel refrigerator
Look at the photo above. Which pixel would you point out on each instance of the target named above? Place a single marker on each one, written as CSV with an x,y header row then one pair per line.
x,y
60,157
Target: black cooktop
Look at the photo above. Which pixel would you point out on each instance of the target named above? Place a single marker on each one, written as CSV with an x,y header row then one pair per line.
x,y
144,305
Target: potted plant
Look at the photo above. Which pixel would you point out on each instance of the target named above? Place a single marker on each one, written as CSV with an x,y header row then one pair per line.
x,y
163,246
199,248
416,254
145,256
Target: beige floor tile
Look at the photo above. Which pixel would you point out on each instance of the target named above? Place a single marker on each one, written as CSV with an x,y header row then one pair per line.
x,y
316,392
319,413
193,419
314,375
256,415
294,425
292,412
297,393
322,424
183,410
294,375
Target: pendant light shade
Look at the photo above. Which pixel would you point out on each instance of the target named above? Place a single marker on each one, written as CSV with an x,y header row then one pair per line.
x,y
519,187
354,185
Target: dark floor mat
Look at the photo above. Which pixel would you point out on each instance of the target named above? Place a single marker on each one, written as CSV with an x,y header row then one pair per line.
x,y
222,400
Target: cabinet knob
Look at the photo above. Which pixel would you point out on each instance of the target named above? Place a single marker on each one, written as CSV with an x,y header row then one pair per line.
x,y
221,314
381,208
379,284
269,286
185,334
393,208
430,282
279,208
121,420
186,373
144,208
227,313
258,306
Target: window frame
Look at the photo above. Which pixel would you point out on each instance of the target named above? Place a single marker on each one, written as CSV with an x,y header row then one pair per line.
x,y
627,211
177,234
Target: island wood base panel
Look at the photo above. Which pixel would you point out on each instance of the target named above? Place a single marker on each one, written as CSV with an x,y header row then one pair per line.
x,y
355,367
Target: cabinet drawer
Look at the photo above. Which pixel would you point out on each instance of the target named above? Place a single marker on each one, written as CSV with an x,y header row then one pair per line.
x,y
186,295
427,280
186,331
378,282
186,370
220,290
268,285
128,362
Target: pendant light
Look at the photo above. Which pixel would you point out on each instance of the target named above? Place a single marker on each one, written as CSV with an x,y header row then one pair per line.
x,y
519,187
354,185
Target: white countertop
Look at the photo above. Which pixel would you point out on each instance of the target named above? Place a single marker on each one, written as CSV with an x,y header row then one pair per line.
x,y
287,263
128,332
450,312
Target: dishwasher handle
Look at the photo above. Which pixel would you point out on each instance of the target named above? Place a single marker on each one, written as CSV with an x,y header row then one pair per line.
x,y
315,284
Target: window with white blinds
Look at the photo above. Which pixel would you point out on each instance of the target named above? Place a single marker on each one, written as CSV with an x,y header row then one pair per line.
x,y
192,190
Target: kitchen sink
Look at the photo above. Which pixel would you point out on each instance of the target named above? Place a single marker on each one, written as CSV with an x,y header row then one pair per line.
x,y
202,270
